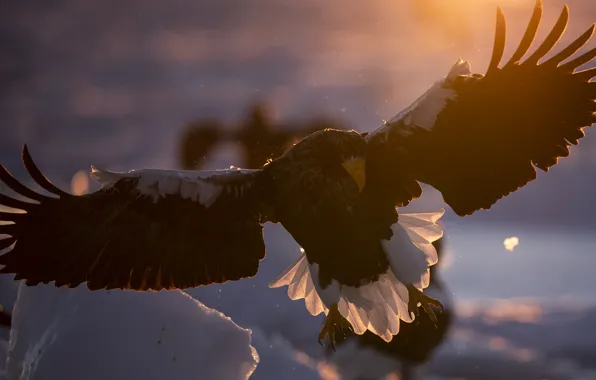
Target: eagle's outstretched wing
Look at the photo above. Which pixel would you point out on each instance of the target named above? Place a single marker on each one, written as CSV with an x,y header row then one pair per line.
x,y
477,138
146,229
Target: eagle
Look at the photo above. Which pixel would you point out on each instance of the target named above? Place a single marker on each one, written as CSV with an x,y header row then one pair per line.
x,y
474,137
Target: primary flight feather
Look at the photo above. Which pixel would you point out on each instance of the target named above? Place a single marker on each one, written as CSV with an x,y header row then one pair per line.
x,y
475,138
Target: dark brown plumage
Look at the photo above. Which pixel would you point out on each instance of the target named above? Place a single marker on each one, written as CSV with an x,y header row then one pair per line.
x,y
319,203
118,238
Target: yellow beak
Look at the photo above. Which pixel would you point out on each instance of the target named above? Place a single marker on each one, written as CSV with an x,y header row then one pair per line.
x,y
356,167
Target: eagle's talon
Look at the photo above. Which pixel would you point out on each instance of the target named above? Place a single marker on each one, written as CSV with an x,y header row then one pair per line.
x,y
426,302
333,321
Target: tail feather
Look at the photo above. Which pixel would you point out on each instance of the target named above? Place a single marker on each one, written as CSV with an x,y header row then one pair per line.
x,y
350,312
423,230
297,288
286,277
300,285
387,306
379,306
410,250
358,296
389,295
403,297
314,304
422,219
380,320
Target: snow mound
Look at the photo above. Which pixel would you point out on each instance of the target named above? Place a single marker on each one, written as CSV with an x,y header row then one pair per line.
x,y
355,362
279,360
78,334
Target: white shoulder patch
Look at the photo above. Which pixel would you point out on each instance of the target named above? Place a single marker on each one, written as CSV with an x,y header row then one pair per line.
x,y
156,183
104,177
423,112
460,68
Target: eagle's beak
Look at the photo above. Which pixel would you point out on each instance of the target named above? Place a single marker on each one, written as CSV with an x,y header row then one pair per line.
x,y
356,167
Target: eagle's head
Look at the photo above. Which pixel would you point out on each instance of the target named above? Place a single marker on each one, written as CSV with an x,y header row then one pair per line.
x,y
348,148
336,152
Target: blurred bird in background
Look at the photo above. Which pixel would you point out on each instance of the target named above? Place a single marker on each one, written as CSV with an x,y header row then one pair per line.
x,y
259,137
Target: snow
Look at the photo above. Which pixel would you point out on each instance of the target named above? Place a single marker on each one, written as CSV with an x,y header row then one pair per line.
x,y
279,360
354,362
123,335
188,184
119,331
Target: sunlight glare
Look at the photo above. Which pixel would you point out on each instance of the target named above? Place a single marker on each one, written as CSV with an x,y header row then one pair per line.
x,y
510,243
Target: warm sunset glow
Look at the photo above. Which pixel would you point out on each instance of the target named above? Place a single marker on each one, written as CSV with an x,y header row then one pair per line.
x,y
503,310
457,19
510,310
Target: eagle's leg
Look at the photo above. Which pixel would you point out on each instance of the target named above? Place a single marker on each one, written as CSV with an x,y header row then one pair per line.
x,y
333,321
417,297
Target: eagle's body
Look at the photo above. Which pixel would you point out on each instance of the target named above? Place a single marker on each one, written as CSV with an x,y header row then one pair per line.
x,y
473,137
320,205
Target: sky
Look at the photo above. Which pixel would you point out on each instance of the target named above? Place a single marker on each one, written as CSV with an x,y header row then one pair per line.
x,y
114,83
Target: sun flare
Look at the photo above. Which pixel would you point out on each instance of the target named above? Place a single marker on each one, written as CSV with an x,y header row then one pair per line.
x,y
510,243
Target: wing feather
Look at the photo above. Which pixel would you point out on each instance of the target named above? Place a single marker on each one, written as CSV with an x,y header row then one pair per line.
x,y
553,37
137,232
570,49
586,75
499,45
37,176
529,35
570,66
496,128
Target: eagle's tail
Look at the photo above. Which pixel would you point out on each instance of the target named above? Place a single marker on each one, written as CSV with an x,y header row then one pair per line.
x,y
300,285
380,305
410,250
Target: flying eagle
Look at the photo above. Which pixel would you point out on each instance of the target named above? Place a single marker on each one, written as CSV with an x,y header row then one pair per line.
x,y
475,138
